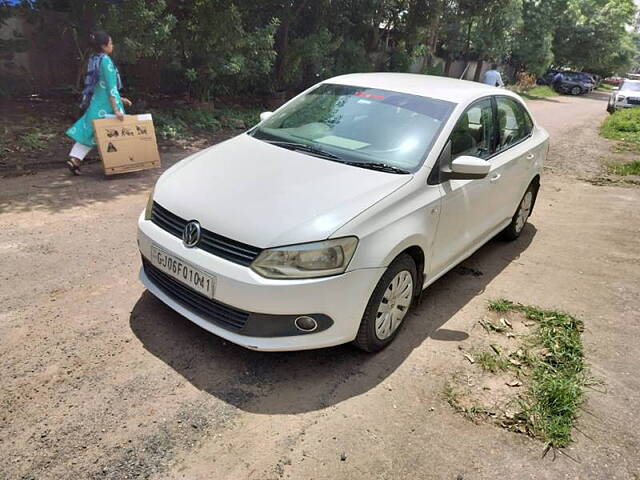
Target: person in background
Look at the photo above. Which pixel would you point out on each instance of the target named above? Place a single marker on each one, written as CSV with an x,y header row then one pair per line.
x,y
557,81
492,76
101,98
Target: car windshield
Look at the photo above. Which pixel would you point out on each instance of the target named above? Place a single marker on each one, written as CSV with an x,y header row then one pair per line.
x,y
361,126
632,86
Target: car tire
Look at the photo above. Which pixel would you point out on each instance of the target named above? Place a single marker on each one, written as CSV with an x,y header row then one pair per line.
x,y
575,90
519,219
378,327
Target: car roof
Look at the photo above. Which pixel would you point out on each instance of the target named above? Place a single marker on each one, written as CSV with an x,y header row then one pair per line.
x,y
441,88
628,80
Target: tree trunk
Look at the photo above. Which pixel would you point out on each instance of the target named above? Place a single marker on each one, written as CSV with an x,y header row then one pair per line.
x,y
282,42
447,65
476,76
434,33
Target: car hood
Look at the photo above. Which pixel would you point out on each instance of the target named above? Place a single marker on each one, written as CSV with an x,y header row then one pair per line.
x,y
262,195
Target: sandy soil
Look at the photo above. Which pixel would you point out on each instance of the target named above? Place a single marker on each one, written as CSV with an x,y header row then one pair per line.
x,y
100,380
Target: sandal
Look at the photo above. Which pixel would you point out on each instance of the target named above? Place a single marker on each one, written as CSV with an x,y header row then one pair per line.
x,y
74,168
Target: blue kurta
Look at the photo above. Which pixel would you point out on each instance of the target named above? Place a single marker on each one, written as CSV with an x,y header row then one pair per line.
x,y
100,106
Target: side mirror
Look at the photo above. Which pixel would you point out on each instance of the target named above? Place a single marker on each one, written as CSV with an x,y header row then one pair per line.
x,y
615,89
265,115
467,167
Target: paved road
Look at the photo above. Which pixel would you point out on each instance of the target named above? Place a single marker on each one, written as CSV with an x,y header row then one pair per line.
x,y
100,380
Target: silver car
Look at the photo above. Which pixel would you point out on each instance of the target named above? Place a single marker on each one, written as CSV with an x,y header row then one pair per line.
x,y
626,96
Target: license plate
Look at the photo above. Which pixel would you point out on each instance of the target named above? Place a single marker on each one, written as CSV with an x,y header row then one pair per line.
x,y
183,272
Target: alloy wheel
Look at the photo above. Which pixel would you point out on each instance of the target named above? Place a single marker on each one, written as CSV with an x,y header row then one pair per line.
x,y
524,211
394,305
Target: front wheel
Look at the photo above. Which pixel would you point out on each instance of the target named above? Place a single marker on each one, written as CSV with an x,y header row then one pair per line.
x,y
575,90
519,220
388,305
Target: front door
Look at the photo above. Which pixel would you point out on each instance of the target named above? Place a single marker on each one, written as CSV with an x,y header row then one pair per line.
x,y
465,217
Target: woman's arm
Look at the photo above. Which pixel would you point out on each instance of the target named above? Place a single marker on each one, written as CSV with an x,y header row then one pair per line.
x,y
108,71
116,109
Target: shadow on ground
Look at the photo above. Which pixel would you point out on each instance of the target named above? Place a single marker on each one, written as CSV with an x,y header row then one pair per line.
x,y
598,95
57,190
296,382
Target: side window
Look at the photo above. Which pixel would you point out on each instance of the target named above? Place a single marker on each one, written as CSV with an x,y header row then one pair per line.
x,y
514,123
474,131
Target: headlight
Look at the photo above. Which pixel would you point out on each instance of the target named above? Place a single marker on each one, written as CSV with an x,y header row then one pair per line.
x,y
620,98
308,260
147,210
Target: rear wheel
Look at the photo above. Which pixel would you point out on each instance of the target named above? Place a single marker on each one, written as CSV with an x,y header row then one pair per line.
x,y
519,220
388,305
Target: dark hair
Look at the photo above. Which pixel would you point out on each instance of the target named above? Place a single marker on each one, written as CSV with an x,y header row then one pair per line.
x,y
99,39
494,66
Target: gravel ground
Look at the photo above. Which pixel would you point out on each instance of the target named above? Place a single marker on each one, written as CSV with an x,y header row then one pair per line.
x,y
100,380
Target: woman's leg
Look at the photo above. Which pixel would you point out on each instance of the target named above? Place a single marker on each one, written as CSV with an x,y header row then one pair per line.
x,y
77,154
79,151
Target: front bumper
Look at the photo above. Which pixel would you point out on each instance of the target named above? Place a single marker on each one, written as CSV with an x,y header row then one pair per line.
x,y
337,301
618,106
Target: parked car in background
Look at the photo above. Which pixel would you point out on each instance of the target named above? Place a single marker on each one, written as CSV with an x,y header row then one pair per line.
x,y
626,96
615,81
585,82
547,78
322,224
595,79
575,83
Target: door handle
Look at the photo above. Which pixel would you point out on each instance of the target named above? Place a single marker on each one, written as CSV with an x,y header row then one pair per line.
x,y
496,177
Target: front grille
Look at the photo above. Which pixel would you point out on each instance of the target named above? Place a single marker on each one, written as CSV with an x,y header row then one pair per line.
x,y
634,101
218,245
222,315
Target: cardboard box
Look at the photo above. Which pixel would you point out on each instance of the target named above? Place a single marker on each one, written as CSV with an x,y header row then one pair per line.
x,y
127,146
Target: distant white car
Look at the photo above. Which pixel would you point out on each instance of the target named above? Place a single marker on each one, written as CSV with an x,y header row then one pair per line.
x,y
626,96
322,224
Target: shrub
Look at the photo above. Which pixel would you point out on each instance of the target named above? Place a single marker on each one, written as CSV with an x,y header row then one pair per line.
x,y
623,125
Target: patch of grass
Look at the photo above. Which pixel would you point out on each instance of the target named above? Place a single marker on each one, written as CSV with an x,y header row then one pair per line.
x,y
541,91
623,125
631,168
558,373
501,305
492,362
606,86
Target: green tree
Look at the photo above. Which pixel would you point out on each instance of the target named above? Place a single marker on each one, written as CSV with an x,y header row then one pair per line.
x,y
592,35
533,40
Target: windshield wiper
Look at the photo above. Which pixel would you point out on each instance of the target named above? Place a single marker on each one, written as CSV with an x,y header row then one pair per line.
x,y
382,167
304,148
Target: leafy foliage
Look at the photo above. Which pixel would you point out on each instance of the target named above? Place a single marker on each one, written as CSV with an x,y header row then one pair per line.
x,y
210,47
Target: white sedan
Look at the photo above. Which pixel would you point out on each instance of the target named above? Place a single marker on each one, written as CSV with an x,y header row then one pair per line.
x,y
628,95
323,223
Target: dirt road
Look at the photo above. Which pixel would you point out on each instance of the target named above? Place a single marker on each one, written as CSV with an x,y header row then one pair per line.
x,y
100,380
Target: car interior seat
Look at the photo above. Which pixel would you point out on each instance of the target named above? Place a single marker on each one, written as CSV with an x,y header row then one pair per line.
x,y
462,142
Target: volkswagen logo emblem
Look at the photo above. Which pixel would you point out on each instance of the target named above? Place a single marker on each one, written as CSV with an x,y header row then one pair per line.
x,y
191,234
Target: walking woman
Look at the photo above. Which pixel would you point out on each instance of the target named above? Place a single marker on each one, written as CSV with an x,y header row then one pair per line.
x,y
102,86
